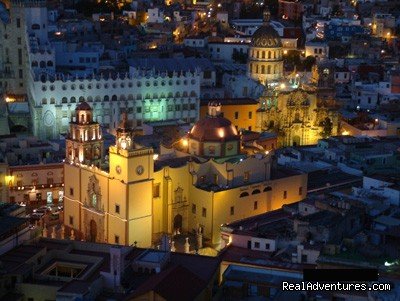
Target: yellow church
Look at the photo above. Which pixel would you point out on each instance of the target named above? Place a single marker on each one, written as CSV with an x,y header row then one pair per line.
x,y
206,179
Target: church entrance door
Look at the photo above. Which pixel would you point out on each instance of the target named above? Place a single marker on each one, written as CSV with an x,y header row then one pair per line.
x,y
178,222
296,140
93,231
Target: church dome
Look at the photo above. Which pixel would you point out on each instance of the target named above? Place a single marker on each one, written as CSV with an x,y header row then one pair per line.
x,y
266,36
214,127
83,106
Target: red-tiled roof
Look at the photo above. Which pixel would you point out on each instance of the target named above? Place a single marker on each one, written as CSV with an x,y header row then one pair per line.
x,y
175,283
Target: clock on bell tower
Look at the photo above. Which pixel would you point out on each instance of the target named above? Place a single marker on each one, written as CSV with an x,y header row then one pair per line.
x,y
129,162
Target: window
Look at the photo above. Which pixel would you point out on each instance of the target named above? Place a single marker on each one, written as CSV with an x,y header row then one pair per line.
x,y
255,206
116,238
20,73
246,176
232,210
243,194
156,190
285,195
300,190
193,208
116,208
170,108
18,22
50,181
256,245
267,246
139,110
211,150
71,191
19,41
71,220
204,212
192,106
177,107
20,56
250,115
236,115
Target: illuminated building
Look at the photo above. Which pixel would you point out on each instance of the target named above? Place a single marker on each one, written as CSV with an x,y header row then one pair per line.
x,y
295,113
265,63
241,111
24,17
203,180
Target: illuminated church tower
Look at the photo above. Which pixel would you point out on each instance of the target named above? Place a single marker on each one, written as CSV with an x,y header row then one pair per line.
x,y
265,61
84,143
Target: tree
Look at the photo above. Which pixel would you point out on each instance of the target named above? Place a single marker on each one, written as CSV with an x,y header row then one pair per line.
x,y
327,127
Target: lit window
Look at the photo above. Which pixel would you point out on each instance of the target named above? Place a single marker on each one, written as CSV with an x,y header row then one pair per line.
x,y
246,176
156,190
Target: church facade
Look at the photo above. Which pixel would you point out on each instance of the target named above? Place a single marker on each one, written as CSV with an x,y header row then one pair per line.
x,y
297,112
204,181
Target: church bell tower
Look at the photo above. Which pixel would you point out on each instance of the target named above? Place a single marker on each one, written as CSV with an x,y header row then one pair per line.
x,y
84,143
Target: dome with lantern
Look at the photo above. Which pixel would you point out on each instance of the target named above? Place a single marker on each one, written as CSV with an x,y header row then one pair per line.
x,y
266,35
214,135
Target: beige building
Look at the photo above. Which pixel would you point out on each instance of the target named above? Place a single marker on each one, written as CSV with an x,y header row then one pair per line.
x,y
202,182
265,62
37,184
24,16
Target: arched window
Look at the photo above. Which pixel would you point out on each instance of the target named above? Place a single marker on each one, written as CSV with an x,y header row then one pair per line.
x,y
139,96
256,191
256,69
170,95
50,64
81,99
147,96
244,194
184,94
263,54
130,97
35,64
44,101
114,98
42,64
268,188
64,100
97,98
177,94
258,54
90,99
73,99
269,54
193,94
106,98
52,101
268,69
155,96
263,69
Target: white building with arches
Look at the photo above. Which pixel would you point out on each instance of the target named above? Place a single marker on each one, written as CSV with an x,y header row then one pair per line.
x,y
145,96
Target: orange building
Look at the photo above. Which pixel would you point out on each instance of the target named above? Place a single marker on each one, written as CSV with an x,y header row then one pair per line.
x,y
240,111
